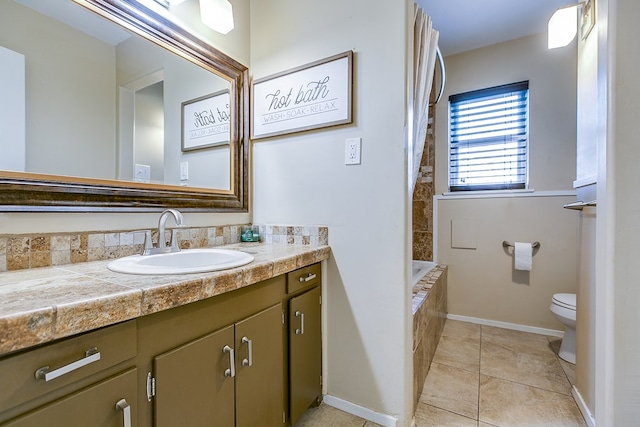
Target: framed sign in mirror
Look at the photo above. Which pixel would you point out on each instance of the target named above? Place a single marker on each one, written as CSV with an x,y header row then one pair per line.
x,y
311,96
205,121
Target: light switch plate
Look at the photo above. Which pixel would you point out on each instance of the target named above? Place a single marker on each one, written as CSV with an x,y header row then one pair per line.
x,y
184,171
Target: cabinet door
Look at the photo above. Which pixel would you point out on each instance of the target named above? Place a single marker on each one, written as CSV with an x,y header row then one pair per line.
x,y
191,386
93,406
305,352
259,379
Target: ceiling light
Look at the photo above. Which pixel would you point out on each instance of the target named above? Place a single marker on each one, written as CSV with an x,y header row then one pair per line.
x,y
563,25
217,15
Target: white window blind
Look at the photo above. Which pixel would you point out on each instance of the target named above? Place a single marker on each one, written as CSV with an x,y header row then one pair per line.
x,y
489,138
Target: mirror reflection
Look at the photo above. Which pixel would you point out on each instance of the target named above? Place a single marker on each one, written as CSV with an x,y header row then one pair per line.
x,y
100,102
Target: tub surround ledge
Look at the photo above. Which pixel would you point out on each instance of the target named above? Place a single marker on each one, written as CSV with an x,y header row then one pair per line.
x,y
429,315
44,304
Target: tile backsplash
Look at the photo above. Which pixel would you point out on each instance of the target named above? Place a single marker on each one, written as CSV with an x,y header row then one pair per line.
x,y
18,252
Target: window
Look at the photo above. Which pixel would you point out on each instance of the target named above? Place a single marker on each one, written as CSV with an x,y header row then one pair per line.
x,y
489,138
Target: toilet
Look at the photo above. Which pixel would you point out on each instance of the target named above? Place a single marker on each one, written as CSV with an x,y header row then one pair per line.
x,y
563,307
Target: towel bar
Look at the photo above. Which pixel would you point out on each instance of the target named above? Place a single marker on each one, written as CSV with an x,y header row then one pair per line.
x,y
506,244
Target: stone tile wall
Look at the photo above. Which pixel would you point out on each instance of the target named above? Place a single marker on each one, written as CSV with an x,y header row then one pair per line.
x,y
423,198
429,315
19,252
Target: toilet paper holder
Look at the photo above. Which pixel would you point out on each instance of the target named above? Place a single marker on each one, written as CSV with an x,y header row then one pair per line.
x,y
534,245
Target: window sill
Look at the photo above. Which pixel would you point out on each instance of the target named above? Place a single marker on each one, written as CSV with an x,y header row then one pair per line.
x,y
496,194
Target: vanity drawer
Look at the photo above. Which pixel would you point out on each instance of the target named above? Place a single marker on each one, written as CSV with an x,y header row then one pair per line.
x,y
68,361
303,277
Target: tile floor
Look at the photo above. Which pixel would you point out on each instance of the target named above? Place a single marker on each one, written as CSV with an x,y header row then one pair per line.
x,y
483,376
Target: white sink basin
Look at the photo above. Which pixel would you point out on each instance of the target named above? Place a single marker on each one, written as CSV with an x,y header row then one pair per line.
x,y
183,262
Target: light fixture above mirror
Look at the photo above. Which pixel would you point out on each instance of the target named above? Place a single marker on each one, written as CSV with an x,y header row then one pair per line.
x,y
215,14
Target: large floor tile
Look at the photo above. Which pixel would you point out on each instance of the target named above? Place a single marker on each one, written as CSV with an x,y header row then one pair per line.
x,y
460,353
325,415
534,369
505,404
521,342
430,416
458,329
452,389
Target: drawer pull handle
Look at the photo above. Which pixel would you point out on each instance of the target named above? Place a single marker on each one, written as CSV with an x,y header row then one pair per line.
x,y
309,277
231,371
300,330
123,406
91,355
249,360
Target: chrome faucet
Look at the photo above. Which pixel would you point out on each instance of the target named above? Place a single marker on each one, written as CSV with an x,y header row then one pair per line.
x,y
162,245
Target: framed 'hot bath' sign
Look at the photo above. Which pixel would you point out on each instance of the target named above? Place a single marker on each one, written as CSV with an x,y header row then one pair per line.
x,y
311,96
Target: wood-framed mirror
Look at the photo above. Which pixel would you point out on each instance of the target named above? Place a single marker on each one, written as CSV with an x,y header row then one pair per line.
x,y
203,139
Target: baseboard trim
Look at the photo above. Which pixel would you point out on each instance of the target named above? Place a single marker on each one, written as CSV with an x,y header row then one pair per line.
x,y
360,411
584,409
506,325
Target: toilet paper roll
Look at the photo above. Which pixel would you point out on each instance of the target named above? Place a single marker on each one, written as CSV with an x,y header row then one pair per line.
x,y
523,253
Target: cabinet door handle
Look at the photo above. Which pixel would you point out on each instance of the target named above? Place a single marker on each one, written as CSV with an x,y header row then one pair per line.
x,y
123,406
300,330
249,360
91,355
309,277
231,371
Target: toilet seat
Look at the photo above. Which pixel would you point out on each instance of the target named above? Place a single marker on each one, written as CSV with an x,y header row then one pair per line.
x,y
567,301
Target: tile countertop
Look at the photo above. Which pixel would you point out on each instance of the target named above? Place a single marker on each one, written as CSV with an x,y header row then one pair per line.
x,y
44,304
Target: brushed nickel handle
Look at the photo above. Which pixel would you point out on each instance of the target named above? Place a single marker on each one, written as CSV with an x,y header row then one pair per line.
x,y
123,406
300,330
249,360
231,371
91,355
309,277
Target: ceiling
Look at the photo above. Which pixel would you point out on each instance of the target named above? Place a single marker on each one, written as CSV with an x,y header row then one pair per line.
x,y
471,24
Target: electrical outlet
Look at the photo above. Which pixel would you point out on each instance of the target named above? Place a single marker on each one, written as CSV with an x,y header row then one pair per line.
x,y
142,173
352,150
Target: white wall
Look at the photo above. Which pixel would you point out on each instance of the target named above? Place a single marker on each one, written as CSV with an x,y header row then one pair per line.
x,y
12,110
622,190
302,179
482,281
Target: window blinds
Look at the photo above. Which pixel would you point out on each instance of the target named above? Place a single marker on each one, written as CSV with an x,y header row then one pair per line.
x,y
489,138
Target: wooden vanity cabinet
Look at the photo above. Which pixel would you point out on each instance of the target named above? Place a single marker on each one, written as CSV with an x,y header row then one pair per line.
x,y
187,351
245,358
304,340
109,403
232,377
72,382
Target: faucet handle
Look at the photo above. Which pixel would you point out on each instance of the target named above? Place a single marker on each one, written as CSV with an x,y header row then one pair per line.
x,y
173,243
148,243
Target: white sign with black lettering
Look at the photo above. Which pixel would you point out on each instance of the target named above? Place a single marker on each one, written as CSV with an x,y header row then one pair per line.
x,y
309,97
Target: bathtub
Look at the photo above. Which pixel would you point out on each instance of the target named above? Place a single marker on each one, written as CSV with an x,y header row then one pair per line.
x,y
419,269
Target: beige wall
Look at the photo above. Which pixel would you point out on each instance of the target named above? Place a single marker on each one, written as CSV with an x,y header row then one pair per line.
x,y
69,108
482,281
302,179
